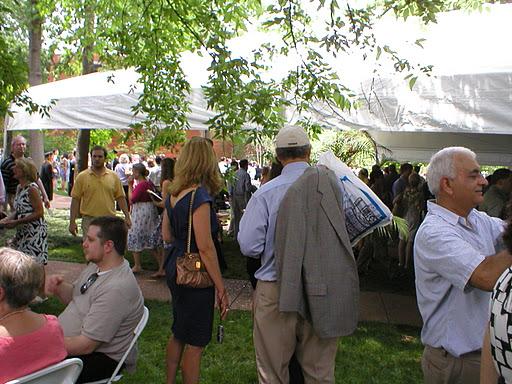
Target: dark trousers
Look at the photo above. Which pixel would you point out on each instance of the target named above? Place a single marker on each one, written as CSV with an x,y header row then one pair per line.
x,y
295,370
97,366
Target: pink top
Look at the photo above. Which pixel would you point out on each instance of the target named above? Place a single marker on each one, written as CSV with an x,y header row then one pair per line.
x,y
140,192
28,353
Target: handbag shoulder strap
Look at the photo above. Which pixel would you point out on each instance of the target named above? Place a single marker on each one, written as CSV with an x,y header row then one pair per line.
x,y
189,234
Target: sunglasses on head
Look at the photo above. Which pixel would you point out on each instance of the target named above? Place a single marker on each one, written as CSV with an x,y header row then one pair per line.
x,y
90,281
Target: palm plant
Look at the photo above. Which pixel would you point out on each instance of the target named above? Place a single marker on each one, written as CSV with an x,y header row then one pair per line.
x,y
397,224
355,148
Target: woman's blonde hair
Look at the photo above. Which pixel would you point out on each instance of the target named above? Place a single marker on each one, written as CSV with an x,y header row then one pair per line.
x,y
28,167
197,164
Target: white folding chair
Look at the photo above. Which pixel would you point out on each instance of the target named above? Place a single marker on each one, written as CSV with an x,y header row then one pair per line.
x,y
116,376
65,372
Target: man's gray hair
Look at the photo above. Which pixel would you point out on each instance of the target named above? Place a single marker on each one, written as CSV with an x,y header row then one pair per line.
x,y
17,138
21,277
442,165
293,152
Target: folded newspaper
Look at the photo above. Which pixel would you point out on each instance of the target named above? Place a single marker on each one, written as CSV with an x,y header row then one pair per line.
x,y
364,211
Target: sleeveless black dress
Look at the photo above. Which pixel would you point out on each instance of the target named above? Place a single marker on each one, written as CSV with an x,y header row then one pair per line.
x,y
192,308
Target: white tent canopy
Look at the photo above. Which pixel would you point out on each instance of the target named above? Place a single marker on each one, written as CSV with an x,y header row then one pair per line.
x,y
473,110
102,100
467,102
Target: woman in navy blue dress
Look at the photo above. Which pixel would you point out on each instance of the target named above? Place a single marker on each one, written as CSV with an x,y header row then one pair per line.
x,y
196,169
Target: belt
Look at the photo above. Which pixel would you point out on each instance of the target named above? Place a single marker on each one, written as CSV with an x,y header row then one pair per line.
x,y
445,353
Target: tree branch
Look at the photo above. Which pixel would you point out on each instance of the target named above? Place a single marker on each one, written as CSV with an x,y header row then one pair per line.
x,y
190,29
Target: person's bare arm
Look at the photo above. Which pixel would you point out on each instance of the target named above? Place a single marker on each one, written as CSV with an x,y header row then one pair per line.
x,y
124,207
38,212
165,193
80,345
131,181
488,374
157,203
10,217
485,275
56,286
73,214
166,229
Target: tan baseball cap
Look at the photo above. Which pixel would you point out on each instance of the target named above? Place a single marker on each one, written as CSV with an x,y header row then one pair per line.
x,y
291,136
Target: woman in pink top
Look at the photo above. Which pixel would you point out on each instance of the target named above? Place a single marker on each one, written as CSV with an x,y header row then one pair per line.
x,y
28,341
144,218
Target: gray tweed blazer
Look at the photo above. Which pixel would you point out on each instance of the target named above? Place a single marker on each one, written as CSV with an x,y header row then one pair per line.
x,y
316,270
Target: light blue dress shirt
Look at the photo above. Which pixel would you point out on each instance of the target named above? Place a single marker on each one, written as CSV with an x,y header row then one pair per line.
x,y
447,250
258,224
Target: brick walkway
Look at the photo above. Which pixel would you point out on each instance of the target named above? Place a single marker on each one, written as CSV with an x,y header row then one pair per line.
x,y
60,202
374,306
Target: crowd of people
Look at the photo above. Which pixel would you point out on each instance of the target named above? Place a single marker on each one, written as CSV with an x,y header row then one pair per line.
x,y
289,222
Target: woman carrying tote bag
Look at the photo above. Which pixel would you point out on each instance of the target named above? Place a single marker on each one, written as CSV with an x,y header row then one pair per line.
x,y
196,170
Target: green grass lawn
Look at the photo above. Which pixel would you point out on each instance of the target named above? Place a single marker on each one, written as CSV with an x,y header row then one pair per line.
x,y
375,353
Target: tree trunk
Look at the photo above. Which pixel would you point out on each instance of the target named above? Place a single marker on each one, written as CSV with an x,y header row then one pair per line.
x,y
84,135
7,141
35,78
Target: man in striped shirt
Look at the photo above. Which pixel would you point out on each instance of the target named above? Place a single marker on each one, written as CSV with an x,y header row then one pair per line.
x,y
18,148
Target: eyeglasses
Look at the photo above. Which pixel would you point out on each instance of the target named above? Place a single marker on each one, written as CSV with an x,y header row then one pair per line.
x,y
90,281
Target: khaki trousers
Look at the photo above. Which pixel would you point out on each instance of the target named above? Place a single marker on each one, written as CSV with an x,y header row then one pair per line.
x,y
439,367
277,335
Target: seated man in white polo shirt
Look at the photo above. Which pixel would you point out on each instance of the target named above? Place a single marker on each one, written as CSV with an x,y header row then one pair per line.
x,y
105,303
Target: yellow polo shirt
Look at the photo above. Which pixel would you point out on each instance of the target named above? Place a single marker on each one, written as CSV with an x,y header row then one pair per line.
x,y
97,194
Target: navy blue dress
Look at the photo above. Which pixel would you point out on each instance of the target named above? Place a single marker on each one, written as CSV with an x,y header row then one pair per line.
x,y
192,307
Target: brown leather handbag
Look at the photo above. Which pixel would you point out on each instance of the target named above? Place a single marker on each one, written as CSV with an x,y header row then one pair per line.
x,y
190,270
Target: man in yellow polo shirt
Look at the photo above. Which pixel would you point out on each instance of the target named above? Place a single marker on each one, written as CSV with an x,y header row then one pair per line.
x,y
95,192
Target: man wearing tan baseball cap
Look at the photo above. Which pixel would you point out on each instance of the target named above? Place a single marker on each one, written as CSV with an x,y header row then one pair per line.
x,y
256,238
